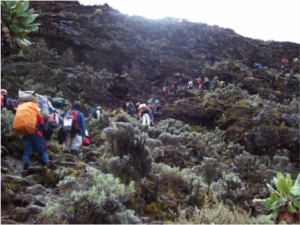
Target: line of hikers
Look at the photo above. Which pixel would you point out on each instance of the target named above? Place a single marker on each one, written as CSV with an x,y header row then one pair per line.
x,y
145,111
205,85
284,64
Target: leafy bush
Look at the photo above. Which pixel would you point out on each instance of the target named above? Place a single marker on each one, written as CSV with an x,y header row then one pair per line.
x,y
287,196
172,126
7,122
54,147
16,23
228,188
262,219
216,214
99,199
123,139
172,178
95,126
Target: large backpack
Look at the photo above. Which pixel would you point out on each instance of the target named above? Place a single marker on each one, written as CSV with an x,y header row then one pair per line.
x,y
58,102
53,120
26,96
26,118
70,122
94,113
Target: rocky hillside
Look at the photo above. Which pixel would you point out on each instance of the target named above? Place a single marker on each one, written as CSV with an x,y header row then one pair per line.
x,y
205,148
75,43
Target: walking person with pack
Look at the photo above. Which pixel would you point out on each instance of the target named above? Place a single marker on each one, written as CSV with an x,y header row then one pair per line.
x,y
44,105
165,90
223,85
157,105
285,63
199,81
206,84
190,85
74,125
144,113
29,122
96,112
257,66
3,98
2,102
130,108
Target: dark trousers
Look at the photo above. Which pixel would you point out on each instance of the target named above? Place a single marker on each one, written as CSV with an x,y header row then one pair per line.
x,y
37,141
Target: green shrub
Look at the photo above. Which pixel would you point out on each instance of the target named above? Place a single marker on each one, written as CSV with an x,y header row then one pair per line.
x,y
216,214
99,11
16,22
287,196
125,140
7,122
93,197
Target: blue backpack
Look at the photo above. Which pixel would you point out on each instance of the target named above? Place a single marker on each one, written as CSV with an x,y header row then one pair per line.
x,y
94,113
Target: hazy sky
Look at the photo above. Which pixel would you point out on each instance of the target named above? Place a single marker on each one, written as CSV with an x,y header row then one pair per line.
x,y
259,19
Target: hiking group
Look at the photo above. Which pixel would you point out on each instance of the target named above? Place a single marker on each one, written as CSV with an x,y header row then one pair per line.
x,y
284,64
144,111
202,85
35,118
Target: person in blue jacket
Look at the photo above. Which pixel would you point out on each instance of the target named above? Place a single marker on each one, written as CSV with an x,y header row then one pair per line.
x,y
74,140
258,66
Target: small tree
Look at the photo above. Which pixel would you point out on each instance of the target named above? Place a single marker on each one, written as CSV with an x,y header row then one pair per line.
x,y
15,24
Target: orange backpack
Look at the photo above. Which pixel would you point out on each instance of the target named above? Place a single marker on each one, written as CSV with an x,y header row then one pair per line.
x,y
26,118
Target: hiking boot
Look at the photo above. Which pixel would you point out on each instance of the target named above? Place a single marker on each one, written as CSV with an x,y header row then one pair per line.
x,y
74,152
66,152
44,163
26,166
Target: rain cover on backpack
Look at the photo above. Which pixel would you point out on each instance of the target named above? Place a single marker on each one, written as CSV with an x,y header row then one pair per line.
x,y
26,118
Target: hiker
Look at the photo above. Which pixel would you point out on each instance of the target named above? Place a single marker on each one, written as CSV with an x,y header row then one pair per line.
x,y
2,102
144,113
29,122
223,85
151,107
130,108
190,85
157,105
12,106
296,61
122,111
285,63
257,66
74,125
3,98
165,90
199,81
175,86
179,82
44,105
98,112
53,122
206,84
